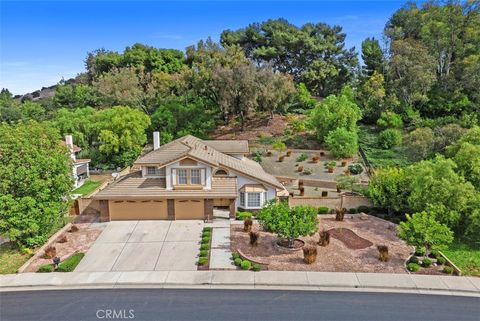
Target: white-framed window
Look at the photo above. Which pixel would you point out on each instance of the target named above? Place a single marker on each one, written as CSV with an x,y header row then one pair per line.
x,y
151,170
253,199
195,176
242,199
182,176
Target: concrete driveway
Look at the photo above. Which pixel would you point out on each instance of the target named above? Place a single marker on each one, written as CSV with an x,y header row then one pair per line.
x,y
145,246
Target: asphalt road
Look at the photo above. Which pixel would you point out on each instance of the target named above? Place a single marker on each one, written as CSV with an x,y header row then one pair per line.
x,y
182,304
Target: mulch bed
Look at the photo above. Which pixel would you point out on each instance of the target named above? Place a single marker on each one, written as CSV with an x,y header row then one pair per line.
x,y
349,238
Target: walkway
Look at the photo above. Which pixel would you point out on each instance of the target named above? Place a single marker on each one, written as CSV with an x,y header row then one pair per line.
x,y
220,249
286,280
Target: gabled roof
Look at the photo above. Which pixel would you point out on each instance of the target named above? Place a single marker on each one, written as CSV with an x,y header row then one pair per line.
x,y
190,146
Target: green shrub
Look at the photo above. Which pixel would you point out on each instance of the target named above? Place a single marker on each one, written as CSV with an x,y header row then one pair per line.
x,y
206,234
441,260
355,169
413,267
448,270
307,171
203,261
426,262
330,164
435,254
352,210
206,239
363,209
237,261
45,268
389,138
207,229
420,251
246,265
342,142
71,263
204,253
204,246
235,255
302,157
323,210
413,259
257,267
244,215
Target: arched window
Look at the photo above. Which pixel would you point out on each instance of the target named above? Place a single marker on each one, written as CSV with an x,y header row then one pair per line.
x,y
221,172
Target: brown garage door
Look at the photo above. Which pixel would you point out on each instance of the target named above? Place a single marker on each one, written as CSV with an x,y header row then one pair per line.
x,y
138,210
189,210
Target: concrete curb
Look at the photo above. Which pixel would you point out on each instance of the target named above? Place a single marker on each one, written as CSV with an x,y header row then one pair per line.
x,y
281,280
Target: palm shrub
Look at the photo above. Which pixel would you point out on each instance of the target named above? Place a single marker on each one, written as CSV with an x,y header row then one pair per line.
x,y
288,223
383,253
324,239
254,238
309,254
247,225
339,213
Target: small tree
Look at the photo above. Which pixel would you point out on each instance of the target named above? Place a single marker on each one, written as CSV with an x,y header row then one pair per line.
x,y
346,182
342,143
279,146
421,229
288,223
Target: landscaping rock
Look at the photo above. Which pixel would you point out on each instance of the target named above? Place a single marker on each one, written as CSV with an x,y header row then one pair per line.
x,y
363,216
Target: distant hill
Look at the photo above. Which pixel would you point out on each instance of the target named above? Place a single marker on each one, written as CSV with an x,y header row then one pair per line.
x,y
44,92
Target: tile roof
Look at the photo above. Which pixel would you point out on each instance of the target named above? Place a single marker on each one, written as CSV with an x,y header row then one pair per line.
x,y
135,186
229,146
190,146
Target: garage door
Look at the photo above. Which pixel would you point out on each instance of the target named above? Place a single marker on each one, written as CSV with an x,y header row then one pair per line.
x,y
138,210
189,210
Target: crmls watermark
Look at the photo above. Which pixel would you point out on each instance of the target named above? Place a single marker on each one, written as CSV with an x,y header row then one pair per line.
x,y
113,314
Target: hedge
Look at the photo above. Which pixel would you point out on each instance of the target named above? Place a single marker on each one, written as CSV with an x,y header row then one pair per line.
x,y
71,263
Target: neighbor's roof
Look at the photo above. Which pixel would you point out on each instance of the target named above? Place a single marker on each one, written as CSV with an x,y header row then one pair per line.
x,y
135,186
229,146
190,146
76,149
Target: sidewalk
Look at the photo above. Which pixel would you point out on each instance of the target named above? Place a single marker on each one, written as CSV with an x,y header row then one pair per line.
x,y
284,280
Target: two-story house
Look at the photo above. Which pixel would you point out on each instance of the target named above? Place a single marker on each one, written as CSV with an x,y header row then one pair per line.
x,y
80,167
187,178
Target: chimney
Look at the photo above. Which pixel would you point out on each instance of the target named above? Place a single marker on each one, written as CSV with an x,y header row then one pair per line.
x,y
156,140
69,142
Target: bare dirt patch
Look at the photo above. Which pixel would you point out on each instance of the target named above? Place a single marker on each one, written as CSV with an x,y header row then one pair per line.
x,y
79,241
334,257
255,125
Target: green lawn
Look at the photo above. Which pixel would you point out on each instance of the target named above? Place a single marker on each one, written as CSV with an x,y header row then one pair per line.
x,y
87,187
377,156
11,259
465,256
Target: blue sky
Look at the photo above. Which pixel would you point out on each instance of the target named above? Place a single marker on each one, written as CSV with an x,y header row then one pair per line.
x,y
41,42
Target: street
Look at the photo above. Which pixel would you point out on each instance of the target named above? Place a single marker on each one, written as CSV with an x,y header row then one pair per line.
x,y
184,304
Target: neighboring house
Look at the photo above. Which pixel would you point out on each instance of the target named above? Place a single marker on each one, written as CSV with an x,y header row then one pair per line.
x,y
80,167
186,179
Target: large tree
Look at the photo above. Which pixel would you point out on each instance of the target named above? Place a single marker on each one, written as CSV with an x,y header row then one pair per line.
x,y
35,181
372,56
313,53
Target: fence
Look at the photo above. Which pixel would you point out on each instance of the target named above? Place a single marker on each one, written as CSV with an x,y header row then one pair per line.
x,y
347,201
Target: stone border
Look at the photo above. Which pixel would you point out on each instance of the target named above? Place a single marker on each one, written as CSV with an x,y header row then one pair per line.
x,y
41,250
